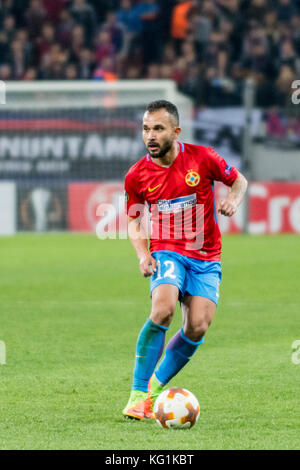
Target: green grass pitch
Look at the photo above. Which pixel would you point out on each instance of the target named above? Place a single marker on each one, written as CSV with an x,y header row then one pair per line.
x,y
71,310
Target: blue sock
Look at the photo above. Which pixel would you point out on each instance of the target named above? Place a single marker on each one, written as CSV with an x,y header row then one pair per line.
x,y
179,350
149,348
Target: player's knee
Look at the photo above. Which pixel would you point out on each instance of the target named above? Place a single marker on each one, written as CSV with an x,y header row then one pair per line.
x,y
162,314
196,331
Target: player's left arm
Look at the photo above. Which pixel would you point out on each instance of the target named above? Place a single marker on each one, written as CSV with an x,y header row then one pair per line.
x,y
236,194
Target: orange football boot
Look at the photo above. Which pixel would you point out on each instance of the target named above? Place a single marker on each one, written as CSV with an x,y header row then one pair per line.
x,y
135,408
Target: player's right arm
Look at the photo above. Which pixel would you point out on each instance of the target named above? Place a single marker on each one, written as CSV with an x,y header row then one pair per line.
x,y
138,237
139,241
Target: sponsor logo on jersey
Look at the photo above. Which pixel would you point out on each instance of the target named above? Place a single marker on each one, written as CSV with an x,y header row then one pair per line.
x,y
178,204
192,178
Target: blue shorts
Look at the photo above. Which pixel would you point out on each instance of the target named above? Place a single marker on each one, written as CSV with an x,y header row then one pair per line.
x,y
190,275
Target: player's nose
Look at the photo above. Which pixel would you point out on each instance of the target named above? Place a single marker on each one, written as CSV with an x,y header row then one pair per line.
x,y
151,135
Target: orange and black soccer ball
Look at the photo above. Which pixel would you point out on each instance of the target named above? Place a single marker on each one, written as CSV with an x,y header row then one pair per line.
x,y
176,408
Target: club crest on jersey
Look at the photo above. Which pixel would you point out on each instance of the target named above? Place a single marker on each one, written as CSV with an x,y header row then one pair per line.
x,y
192,178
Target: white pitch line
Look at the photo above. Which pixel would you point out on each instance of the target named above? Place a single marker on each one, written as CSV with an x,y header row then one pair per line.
x,y
267,302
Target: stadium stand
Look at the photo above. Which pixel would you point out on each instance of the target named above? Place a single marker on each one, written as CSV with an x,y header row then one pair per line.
x,y
208,47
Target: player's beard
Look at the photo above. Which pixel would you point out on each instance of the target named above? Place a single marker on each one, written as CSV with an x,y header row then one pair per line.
x,y
165,148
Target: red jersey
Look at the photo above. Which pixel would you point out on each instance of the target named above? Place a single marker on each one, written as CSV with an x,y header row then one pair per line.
x,y
180,198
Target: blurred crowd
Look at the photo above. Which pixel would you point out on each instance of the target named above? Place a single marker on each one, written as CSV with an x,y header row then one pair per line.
x,y
207,46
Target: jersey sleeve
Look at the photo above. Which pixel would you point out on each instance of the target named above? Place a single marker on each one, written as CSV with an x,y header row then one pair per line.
x,y
134,202
219,170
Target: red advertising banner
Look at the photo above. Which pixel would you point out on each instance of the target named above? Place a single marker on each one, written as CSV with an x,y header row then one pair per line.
x,y
274,208
97,206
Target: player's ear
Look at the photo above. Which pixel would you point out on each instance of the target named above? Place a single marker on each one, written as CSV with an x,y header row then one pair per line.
x,y
177,131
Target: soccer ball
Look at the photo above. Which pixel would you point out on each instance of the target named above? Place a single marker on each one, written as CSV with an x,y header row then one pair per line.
x,y
176,408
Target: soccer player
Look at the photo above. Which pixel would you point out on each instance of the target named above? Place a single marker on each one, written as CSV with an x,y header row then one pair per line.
x,y
176,180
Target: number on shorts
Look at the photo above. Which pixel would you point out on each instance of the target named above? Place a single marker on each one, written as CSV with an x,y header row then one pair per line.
x,y
169,271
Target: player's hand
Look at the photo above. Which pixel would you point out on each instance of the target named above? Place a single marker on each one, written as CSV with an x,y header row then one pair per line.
x,y
227,207
147,265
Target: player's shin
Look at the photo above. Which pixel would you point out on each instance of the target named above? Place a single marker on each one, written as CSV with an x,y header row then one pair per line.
x,y
179,350
149,349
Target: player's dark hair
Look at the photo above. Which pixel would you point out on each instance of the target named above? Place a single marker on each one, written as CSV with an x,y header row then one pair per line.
x,y
163,104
